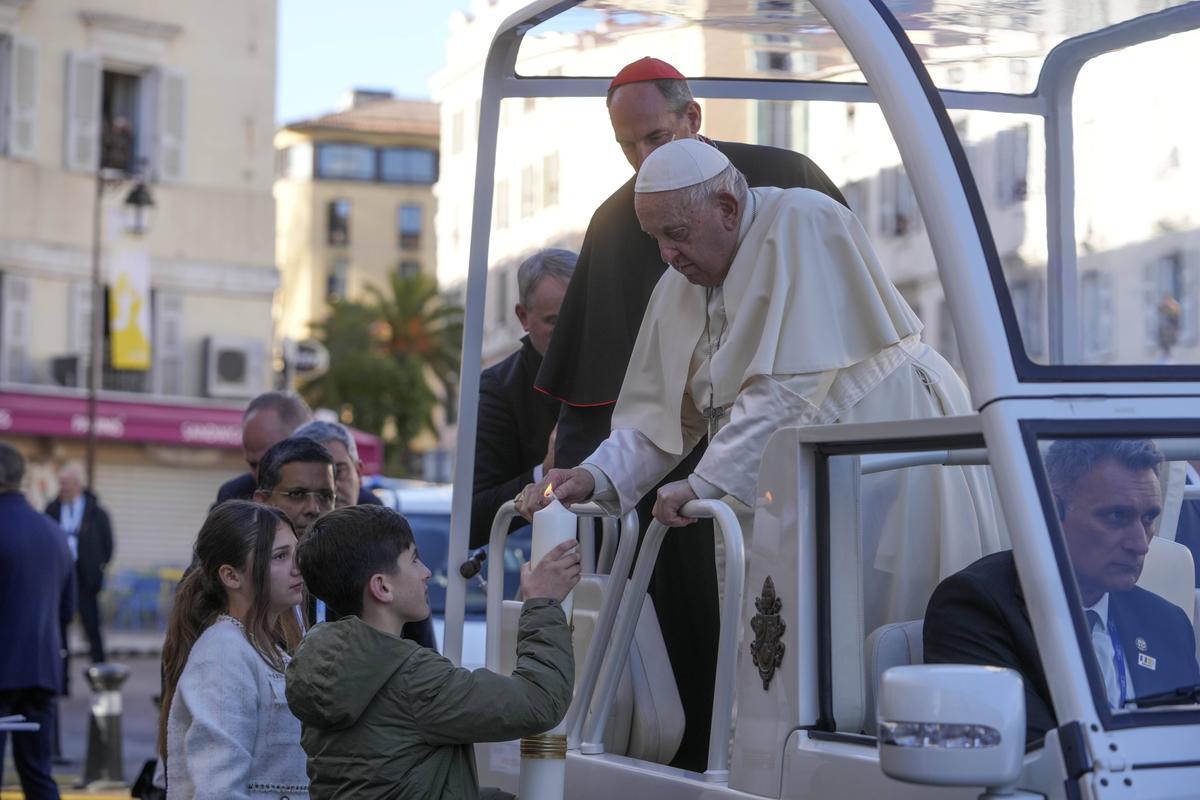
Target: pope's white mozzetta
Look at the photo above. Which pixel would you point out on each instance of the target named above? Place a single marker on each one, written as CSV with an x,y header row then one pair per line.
x,y
552,526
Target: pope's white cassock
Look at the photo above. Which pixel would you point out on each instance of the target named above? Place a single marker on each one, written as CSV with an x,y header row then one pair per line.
x,y
806,329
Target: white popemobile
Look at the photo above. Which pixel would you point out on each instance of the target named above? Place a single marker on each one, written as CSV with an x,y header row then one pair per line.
x,y
817,694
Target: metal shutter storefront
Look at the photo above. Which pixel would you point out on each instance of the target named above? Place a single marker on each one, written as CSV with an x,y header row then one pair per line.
x,y
156,510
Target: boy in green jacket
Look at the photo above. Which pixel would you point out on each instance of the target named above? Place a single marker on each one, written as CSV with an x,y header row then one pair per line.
x,y
383,717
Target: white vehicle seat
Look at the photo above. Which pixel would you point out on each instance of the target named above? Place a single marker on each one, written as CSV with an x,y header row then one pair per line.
x,y
1169,573
646,720
894,645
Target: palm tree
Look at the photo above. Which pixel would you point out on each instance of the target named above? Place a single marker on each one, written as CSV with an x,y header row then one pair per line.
x,y
413,320
382,354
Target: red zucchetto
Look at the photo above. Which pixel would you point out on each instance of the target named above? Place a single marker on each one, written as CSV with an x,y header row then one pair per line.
x,y
645,69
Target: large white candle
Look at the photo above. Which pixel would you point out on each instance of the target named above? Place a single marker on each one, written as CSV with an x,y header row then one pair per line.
x,y
552,526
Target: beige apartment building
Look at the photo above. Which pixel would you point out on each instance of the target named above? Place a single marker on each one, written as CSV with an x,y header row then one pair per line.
x,y
182,96
354,203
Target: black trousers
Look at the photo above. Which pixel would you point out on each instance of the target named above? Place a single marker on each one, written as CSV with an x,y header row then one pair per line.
x,y
89,615
31,749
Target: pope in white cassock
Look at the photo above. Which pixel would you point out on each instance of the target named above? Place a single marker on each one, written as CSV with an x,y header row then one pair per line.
x,y
777,314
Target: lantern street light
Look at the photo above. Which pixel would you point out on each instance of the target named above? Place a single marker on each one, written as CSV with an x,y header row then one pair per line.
x,y
136,214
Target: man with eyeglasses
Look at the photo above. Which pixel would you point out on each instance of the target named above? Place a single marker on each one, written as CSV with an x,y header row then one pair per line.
x,y
296,476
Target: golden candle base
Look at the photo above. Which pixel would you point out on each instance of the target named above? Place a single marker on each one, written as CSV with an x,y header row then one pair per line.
x,y
545,745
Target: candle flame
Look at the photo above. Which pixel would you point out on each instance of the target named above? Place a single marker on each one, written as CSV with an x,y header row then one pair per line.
x,y
770,497
549,493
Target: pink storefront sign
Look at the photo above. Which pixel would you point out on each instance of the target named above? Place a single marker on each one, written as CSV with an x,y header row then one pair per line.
x,y
159,423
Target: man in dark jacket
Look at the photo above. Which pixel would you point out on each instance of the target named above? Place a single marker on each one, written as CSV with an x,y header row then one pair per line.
x,y
382,717
89,532
1108,500
513,441
649,104
37,593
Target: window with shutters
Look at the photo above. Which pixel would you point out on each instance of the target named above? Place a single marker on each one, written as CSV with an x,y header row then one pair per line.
x,y
1096,316
529,191
898,212
409,268
338,225
1170,300
18,97
124,119
168,343
339,276
1012,165
775,123
1029,304
550,180
73,369
15,327
409,225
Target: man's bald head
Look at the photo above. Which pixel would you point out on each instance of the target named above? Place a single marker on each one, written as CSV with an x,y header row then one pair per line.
x,y
648,114
270,418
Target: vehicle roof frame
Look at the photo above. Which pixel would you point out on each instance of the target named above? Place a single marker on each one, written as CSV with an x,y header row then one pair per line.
x,y
933,156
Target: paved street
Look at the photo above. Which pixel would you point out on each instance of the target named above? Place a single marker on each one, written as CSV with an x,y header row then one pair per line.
x,y
139,724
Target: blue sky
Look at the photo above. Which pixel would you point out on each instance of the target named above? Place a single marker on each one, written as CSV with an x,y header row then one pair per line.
x,y
326,48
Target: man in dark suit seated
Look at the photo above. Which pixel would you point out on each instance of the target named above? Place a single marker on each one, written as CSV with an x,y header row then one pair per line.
x,y
514,445
1108,499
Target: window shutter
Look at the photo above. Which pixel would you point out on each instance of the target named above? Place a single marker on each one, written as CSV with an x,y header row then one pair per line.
x,y
167,116
22,93
1188,301
1151,294
79,327
168,344
1020,166
82,140
14,317
1105,318
887,201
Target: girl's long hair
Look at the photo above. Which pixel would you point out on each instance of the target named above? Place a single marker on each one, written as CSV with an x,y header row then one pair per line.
x,y
234,531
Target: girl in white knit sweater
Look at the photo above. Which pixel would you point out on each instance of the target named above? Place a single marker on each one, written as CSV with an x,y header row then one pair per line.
x,y
225,726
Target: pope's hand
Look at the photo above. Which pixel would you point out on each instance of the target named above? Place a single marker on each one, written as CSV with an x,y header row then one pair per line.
x,y
672,498
570,486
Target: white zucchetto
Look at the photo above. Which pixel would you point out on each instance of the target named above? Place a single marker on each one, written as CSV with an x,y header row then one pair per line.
x,y
677,164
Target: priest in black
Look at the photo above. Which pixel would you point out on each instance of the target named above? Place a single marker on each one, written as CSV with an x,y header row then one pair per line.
x,y
649,104
513,441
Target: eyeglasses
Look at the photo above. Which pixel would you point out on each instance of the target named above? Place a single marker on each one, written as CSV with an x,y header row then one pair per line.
x,y
324,497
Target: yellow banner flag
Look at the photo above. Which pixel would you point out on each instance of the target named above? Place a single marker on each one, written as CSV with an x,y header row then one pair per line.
x,y
129,310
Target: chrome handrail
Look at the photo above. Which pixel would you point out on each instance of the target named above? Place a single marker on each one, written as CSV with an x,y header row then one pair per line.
x,y
626,624
625,547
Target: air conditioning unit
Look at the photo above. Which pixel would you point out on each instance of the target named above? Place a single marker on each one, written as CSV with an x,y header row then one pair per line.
x,y
68,371
234,367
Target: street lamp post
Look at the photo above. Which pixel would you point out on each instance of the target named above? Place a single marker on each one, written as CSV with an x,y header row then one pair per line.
x,y
137,206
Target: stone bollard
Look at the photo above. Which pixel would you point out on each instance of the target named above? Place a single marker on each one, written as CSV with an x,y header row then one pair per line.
x,y
103,765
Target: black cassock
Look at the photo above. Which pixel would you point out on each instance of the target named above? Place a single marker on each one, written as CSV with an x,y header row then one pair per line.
x,y
584,366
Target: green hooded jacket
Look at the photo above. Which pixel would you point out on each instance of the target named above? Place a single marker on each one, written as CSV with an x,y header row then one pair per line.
x,y
383,717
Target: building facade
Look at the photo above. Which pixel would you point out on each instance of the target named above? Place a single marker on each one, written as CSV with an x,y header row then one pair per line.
x,y
354,203
108,93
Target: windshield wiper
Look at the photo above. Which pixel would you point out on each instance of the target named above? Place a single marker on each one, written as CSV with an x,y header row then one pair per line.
x,y
1178,696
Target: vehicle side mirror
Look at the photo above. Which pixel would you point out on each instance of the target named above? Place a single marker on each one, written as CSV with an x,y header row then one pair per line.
x,y
952,725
